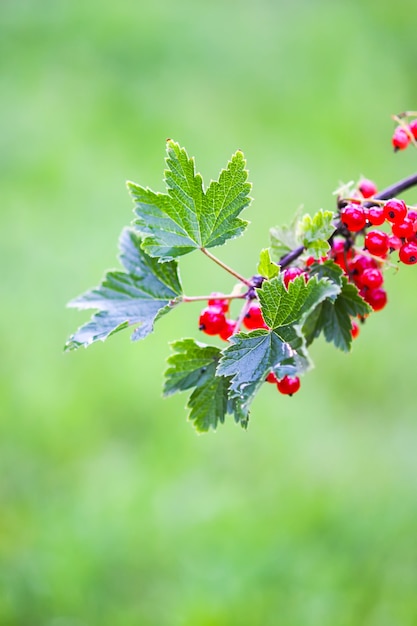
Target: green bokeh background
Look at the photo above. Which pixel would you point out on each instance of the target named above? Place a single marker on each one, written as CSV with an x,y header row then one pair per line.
x,y
113,511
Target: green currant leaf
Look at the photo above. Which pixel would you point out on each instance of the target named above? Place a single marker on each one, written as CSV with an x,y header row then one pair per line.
x,y
193,365
266,267
251,356
139,295
329,269
333,318
282,307
283,239
315,231
247,361
187,217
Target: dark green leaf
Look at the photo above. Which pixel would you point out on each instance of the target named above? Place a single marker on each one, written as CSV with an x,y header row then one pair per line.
x,y
193,365
186,217
139,295
250,357
333,318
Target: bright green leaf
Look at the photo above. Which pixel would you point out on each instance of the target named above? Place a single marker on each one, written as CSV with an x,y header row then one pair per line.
x,y
315,231
187,217
139,295
281,307
266,267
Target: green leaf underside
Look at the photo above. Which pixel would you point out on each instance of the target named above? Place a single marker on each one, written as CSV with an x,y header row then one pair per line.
x,y
333,318
187,217
266,267
193,365
251,356
283,239
137,296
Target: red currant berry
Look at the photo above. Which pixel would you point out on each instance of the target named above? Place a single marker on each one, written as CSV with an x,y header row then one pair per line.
x,y
289,385
372,278
360,263
408,253
271,378
253,318
376,215
413,128
367,188
403,230
394,242
353,217
228,330
376,298
400,138
212,320
412,214
355,329
376,242
221,303
395,210
290,273
340,255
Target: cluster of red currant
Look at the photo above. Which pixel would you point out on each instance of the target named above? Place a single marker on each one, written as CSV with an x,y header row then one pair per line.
x,y
405,132
214,321
362,263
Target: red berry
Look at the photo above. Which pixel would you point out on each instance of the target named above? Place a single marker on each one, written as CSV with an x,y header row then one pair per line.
x,y
353,218
220,302
400,138
413,128
403,230
367,188
412,213
288,385
395,210
395,243
212,320
376,241
290,273
355,329
358,265
271,378
372,278
376,215
228,330
339,253
408,253
377,298
253,318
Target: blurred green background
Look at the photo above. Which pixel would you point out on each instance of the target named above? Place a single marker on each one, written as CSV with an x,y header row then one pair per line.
x,y
113,511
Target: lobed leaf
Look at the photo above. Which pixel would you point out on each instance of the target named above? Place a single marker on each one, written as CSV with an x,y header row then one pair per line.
x,y
193,365
186,217
282,306
333,318
137,296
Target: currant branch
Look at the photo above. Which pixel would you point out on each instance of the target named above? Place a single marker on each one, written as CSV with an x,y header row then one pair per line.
x,y
323,275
